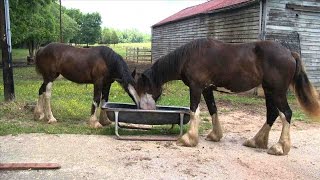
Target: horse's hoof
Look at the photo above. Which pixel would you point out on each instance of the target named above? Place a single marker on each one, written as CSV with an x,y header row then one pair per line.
x,y
279,149
52,120
250,143
105,122
95,125
254,144
188,140
38,116
213,137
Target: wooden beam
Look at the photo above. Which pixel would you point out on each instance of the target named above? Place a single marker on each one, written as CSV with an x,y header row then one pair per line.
x,y
303,8
28,166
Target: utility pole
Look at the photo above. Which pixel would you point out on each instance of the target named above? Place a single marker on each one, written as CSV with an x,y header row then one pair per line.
x,y
61,38
5,41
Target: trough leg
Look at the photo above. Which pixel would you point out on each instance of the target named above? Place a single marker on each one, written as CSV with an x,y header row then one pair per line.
x,y
116,121
181,123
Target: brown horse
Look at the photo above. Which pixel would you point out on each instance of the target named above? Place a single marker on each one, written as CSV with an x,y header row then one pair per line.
x,y
99,66
207,64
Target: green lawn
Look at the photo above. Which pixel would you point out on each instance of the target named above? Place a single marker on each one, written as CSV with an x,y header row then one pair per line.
x,y
71,104
20,55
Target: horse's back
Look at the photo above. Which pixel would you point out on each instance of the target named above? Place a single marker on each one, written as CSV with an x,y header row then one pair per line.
x,y
243,66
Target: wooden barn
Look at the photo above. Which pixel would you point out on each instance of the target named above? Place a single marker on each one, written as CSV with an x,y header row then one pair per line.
x,y
294,23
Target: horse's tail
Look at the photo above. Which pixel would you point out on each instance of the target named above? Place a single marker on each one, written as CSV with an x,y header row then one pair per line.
x,y
307,95
36,60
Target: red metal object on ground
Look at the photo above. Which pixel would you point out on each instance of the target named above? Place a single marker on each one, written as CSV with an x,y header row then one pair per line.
x,y
28,166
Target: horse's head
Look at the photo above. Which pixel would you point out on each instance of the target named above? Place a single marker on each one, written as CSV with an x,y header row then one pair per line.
x,y
148,91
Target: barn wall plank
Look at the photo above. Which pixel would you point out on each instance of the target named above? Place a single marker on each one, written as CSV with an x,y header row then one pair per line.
x,y
238,25
282,21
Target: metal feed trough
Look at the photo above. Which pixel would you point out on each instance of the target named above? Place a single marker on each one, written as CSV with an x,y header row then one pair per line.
x,y
128,113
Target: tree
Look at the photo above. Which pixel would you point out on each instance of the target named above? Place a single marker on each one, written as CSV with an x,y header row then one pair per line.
x,y
31,22
124,36
90,28
70,28
106,36
77,16
36,22
114,38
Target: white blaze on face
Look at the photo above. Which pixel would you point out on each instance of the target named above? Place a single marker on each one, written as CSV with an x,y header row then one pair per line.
x,y
147,102
134,93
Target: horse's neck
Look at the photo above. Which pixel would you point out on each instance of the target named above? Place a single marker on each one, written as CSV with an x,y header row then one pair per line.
x,y
165,74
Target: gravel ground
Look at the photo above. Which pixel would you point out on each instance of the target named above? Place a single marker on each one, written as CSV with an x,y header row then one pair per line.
x,y
104,157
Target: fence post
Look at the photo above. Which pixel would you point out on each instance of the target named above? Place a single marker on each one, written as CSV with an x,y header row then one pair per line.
x,y
126,53
137,55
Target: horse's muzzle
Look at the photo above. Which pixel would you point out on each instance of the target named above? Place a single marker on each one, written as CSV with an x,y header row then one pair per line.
x,y
147,102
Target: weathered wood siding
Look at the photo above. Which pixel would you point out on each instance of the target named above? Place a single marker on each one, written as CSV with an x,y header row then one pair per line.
x,y
236,26
299,30
168,37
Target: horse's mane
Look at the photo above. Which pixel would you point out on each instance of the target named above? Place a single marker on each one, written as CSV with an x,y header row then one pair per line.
x,y
121,70
168,67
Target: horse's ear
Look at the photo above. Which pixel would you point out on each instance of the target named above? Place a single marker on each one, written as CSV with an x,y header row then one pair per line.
x,y
145,79
134,73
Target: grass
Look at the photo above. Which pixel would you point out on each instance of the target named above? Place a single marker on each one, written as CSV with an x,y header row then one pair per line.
x,y
71,104
18,55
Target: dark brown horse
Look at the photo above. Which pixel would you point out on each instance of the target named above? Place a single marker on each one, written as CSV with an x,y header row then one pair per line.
x,y
99,66
207,64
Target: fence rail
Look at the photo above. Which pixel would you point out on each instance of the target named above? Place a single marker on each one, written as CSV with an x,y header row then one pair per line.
x,y
138,54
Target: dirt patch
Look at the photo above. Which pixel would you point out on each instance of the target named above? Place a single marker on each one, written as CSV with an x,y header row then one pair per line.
x,y
104,157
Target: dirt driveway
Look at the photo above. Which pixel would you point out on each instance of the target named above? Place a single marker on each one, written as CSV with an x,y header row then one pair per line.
x,y
103,157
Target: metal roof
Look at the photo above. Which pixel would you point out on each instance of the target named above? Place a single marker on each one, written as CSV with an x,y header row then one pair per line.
x,y
203,8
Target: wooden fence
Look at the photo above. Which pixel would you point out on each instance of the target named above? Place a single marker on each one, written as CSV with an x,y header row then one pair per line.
x,y
138,54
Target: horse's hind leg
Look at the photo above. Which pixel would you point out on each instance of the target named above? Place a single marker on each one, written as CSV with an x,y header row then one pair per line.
x,y
191,138
103,119
44,102
284,144
260,140
93,122
216,132
39,111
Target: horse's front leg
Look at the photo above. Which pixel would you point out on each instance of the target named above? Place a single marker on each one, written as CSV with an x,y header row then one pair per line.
x,y
103,119
191,138
93,122
216,132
